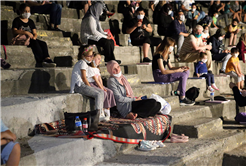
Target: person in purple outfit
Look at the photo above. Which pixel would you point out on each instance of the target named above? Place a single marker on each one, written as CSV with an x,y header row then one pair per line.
x,y
161,74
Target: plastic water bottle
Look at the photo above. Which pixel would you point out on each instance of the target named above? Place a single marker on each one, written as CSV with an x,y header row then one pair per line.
x,y
129,42
212,95
78,124
85,125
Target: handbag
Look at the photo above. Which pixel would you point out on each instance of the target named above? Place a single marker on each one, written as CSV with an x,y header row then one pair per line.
x,y
92,118
21,40
165,106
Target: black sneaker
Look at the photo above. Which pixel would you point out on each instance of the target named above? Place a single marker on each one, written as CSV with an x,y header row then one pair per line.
x,y
147,60
174,93
222,72
48,63
186,102
118,61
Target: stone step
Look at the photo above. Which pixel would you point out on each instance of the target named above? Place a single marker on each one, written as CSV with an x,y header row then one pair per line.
x,y
41,150
43,80
236,156
204,151
198,128
188,113
24,58
22,112
72,13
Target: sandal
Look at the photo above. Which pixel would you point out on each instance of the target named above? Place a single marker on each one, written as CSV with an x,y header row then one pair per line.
x,y
182,136
178,140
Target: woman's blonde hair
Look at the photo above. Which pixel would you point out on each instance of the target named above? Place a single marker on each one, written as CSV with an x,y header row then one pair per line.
x,y
163,47
83,51
243,38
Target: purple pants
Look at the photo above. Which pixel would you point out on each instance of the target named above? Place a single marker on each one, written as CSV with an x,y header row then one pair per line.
x,y
109,100
166,78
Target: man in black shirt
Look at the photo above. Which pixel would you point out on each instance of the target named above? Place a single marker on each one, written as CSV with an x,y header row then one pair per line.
x,y
139,28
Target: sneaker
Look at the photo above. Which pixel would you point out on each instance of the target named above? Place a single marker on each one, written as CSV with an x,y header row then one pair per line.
x,y
222,72
210,88
186,102
146,146
175,93
102,117
146,59
215,87
107,114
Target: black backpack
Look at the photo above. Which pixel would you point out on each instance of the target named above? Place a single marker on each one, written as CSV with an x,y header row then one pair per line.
x,y
192,93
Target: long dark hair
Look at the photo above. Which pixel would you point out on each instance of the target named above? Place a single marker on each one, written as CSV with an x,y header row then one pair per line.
x,y
163,47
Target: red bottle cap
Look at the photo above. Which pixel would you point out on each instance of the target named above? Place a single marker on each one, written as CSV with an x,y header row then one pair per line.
x,y
85,118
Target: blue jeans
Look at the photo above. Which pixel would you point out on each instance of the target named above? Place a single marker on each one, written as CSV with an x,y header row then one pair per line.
x,y
209,78
201,16
53,9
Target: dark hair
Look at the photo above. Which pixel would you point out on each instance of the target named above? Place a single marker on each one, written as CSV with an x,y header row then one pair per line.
x,y
22,7
235,20
140,9
193,4
180,10
203,54
204,26
215,12
234,50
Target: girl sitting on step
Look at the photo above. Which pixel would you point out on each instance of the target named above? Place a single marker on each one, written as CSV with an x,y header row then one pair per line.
x,y
129,107
95,81
79,81
24,26
161,74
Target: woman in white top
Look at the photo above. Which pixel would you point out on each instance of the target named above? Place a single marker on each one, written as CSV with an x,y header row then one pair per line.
x,y
95,81
79,82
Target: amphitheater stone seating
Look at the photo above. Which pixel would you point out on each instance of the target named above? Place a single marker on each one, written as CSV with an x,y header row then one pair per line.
x,y
38,95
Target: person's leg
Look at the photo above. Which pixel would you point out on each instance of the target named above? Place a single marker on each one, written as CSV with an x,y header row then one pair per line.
x,y
208,79
231,38
235,39
180,43
37,51
146,47
146,108
182,77
58,15
190,57
98,95
14,157
108,47
209,62
44,48
201,16
110,98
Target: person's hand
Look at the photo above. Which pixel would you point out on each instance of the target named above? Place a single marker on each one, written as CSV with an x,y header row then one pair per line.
x,y
138,98
34,37
104,89
29,34
231,85
241,75
8,135
139,24
209,47
180,70
185,68
198,75
131,116
144,26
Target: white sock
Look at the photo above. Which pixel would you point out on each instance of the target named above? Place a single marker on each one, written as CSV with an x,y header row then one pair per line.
x,y
107,112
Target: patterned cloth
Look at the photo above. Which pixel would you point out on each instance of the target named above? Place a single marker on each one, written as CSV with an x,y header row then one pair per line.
x,y
117,129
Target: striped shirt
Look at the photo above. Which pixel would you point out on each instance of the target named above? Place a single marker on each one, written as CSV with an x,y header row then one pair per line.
x,y
91,30
187,46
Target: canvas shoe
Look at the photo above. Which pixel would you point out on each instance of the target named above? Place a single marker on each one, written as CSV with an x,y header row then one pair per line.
x,y
186,102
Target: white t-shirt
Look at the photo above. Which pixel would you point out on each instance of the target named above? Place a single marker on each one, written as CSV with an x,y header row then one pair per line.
x,y
76,74
93,71
205,35
187,3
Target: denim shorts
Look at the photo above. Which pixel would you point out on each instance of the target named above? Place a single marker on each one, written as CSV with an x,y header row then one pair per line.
x,y
5,152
